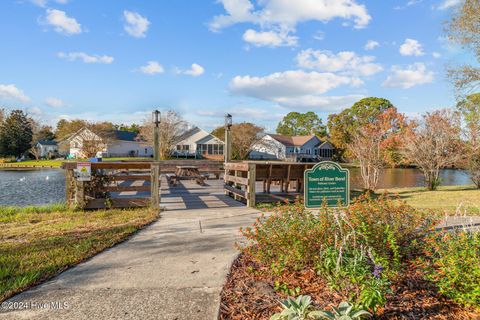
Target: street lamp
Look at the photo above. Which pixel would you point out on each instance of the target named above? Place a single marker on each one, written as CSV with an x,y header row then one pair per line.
x,y
228,138
156,119
228,121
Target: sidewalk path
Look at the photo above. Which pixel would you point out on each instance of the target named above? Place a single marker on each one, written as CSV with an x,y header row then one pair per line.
x,y
170,271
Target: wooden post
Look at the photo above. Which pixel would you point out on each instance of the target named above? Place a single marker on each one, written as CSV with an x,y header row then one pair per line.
x,y
228,145
80,202
251,192
155,185
69,188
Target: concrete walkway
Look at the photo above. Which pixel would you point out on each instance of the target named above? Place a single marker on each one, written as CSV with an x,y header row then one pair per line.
x,y
171,270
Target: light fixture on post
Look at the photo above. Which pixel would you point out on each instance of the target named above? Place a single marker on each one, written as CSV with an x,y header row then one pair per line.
x,y
156,119
228,138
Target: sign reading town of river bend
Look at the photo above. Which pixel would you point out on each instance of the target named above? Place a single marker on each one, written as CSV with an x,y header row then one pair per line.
x,y
327,181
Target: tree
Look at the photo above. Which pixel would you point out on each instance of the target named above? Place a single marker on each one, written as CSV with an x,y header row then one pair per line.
x,y
302,124
371,144
135,128
15,134
171,128
244,136
469,109
65,128
341,126
464,29
435,144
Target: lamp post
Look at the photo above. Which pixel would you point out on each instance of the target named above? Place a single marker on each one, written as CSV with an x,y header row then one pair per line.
x,y
156,122
228,138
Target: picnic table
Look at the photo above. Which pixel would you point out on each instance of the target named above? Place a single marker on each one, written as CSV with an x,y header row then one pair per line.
x,y
188,172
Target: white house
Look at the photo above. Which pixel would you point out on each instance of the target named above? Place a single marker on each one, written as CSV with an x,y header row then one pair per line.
x,y
197,142
47,148
120,144
292,148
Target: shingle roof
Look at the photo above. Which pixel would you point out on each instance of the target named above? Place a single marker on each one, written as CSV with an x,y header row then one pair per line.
x,y
291,141
47,142
125,135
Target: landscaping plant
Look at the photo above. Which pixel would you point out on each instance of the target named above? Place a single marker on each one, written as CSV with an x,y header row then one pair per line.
x,y
452,261
358,250
301,309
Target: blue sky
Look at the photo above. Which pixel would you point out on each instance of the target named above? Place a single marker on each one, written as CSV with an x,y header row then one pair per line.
x,y
257,59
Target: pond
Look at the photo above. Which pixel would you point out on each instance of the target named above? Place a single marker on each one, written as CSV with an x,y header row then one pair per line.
x,y
31,187
40,187
409,177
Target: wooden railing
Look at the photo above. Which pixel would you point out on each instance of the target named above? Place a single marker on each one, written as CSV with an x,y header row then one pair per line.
x,y
240,182
111,177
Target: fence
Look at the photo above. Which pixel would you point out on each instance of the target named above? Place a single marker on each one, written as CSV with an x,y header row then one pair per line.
x,y
241,180
140,180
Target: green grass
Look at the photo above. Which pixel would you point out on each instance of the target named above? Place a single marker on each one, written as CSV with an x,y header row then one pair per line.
x,y
39,163
36,243
452,199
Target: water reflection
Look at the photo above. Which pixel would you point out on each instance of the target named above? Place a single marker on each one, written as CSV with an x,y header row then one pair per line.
x,y
403,178
31,187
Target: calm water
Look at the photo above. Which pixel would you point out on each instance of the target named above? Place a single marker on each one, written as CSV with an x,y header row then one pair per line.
x,y
403,178
31,187
37,187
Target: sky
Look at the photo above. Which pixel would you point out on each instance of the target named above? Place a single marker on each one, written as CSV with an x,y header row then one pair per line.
x,y
117,60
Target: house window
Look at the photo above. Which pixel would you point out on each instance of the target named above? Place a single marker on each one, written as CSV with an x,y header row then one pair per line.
x,y
308,151
146,151
315,151
183,147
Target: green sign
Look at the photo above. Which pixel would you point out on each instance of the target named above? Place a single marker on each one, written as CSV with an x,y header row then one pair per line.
x,y
327,181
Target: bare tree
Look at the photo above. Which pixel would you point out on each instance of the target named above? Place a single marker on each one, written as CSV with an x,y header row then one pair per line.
x,y
464,29
371,144
469,109
435,144
171,128
35,151
244,136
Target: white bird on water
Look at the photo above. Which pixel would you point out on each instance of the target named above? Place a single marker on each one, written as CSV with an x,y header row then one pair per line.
x,y
22,179
47,178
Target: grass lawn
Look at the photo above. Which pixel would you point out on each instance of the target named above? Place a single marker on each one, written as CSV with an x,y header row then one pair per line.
x,y
43,163
447,199
38,243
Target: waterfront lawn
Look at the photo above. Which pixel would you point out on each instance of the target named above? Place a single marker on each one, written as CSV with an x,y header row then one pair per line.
x,y
38,243
37,163
451,199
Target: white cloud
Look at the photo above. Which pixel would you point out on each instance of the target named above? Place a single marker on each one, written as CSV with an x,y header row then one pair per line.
x,y
152,67
194,71
411,47
35,110
11,92
43,3
436,55
86,58
269,38
54,102
346,62
287,14
321,103
371,44
295,88
413,75
447,4
319,35
279,18
136,25
61,22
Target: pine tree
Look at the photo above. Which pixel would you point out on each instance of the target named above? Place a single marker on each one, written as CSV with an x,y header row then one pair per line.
x,y
15,134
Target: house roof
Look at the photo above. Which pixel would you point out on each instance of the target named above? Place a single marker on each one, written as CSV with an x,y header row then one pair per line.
x,y
47,142
125,135
291,141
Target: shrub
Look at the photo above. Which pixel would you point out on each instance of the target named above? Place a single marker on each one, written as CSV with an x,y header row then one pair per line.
x,y
356,249
452,261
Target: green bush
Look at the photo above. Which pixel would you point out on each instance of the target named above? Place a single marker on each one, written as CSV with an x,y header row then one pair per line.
x,y
452,261
356,249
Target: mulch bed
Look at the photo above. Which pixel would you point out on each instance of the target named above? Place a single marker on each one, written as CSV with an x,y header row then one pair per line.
x,y
249,294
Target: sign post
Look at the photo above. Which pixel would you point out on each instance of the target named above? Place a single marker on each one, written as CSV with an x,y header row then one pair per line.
x,y
326,182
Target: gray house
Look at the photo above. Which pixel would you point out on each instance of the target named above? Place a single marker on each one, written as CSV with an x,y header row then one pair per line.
x,y
292,148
